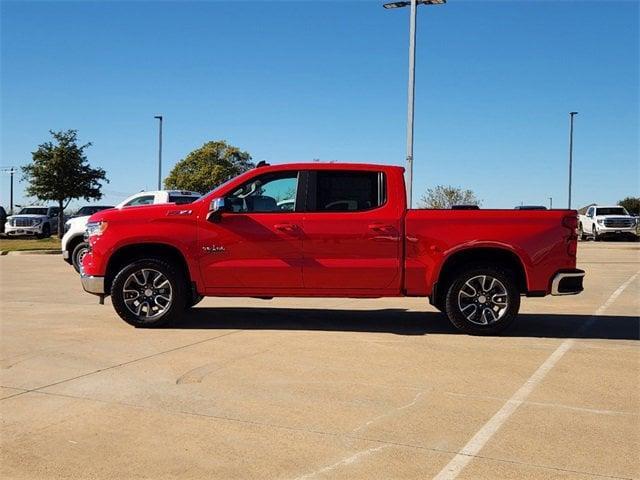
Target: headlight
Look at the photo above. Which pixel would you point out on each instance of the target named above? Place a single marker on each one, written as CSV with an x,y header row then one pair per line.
x,y
600,221
95,229
36,221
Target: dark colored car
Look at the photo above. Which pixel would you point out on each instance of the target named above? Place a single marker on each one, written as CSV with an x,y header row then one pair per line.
x,y
90,210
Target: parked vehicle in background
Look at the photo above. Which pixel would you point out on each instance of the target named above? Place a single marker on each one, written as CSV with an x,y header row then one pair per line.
x,y
89,210
3,218
530,207
39,221
73,245
349,234
607,221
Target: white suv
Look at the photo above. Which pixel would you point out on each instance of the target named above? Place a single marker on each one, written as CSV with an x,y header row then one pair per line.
x,y
601,221
73,244
38,221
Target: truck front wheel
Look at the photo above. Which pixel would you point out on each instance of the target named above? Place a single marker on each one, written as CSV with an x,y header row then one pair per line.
x,y
149,293
482,300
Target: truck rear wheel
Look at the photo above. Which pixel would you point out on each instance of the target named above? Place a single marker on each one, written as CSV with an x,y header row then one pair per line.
x,y
149,293
482,300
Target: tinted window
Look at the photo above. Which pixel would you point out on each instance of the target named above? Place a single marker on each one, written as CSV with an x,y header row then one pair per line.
x,y
348,191
144,200
611,211
274,192
33,211
181,199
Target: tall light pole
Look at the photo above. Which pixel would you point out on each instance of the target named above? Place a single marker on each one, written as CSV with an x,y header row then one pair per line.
x,y
571,115
159,117
550,203
11,171
412,79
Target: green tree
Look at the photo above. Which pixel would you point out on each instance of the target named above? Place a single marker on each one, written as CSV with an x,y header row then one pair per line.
x,y
59,172
446,196
208,166
631,204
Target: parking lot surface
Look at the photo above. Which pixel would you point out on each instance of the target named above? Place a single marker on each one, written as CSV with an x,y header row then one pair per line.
x,y
319,388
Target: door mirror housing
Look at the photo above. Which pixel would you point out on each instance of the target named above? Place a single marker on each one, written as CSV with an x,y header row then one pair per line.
x,y
216,207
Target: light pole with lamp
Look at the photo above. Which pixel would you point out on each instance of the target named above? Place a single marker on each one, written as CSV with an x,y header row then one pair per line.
x,y
412,78
571,114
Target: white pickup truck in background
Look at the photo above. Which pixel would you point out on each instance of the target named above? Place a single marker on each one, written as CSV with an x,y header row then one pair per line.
x,y
73,244
601,221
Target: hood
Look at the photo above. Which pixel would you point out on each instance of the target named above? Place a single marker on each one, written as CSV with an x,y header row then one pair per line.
x,y
614,217
26,215
138,213
78,220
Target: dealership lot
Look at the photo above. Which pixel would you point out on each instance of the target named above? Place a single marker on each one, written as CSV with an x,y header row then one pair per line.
x,y
324,388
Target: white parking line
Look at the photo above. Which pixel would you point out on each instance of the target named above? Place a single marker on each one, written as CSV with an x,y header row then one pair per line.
x,y
479,440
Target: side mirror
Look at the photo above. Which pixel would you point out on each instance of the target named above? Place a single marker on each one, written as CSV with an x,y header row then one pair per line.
x,y
216,207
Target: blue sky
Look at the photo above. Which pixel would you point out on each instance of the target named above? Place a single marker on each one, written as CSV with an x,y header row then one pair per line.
x,y
291,81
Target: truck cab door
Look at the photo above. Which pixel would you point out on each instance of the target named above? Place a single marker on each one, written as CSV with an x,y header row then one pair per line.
x,y
255,245
352,233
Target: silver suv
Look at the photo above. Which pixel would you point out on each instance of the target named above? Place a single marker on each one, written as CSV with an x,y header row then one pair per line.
x,y
38,221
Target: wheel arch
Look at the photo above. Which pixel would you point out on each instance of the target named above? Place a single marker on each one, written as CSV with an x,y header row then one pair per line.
x,y
473,255
130,253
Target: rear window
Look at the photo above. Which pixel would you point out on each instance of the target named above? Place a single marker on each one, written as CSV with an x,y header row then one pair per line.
x,y
181,199
348,191
611,211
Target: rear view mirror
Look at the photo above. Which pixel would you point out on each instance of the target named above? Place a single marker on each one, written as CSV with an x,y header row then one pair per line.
x,y
216,207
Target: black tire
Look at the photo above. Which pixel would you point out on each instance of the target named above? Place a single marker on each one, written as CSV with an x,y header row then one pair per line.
x,y
496,320
78,252
177,293
46,231
594,232
581,234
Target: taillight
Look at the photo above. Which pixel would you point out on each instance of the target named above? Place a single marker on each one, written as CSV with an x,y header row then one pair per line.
x,y
570,222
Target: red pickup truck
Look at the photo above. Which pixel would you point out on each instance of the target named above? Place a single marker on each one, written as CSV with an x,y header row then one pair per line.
x,y
328,230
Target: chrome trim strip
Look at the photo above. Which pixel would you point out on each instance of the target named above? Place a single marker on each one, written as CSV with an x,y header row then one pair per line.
x,y
92,284
558,278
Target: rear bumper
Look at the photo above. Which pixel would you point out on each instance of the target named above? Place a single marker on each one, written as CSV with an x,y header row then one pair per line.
x,y
91,284
567,282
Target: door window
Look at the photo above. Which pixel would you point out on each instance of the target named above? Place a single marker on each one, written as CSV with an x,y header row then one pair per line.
x,y
274,192
347,191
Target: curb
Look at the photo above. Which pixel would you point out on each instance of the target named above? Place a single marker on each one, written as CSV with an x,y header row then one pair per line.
x,y
30,252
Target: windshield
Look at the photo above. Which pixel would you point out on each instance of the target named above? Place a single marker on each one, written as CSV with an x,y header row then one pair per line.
x,y
611,211
90,210
33,211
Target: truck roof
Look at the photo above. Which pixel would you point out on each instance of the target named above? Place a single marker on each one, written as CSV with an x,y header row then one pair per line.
x,y
330,166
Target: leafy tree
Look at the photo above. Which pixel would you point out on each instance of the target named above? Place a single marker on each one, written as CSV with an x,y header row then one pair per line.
x,y
632,205
208,166
59,172
447,196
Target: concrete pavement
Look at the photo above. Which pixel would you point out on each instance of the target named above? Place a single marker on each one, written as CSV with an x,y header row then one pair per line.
x,y
319,388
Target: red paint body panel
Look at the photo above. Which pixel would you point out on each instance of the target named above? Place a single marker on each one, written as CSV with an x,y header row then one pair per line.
x,y
385,251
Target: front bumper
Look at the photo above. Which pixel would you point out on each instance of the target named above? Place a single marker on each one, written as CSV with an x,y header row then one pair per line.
x,y
91,284
602,230
567,282
15,231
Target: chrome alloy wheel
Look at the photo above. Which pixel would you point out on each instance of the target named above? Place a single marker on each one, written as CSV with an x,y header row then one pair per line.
x,y
147,294
483,300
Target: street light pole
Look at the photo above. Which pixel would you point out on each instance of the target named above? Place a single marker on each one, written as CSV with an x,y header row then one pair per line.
x,y
411,100
571,115
550,203
159,117
11,171
412,81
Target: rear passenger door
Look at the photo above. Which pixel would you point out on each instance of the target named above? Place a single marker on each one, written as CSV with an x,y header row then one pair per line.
x,y
351,233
